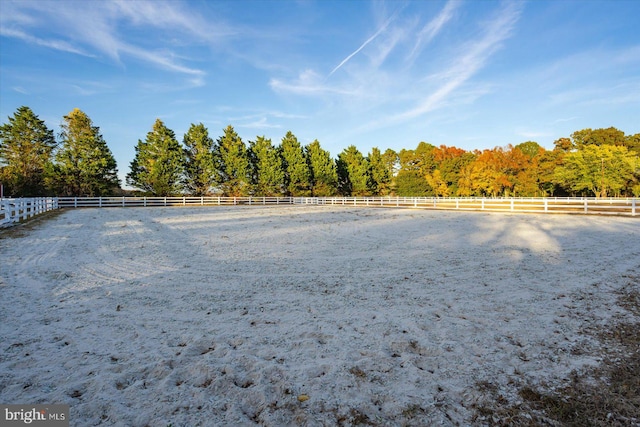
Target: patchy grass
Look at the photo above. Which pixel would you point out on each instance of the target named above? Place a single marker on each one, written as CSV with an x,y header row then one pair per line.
x,y
607,395
24,226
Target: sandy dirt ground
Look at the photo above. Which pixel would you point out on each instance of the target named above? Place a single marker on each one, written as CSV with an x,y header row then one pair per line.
x,y
295,315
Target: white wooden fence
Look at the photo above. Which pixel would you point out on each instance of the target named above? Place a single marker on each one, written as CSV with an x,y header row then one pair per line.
x,y
16,210
582,205
598,206
105,202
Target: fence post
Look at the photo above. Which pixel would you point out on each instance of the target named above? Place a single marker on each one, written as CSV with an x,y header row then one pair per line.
x,y
482,204
7,210
586,205
633,207
512,202
546,207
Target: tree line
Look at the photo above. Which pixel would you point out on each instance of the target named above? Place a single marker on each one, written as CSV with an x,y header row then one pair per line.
x,y
590,162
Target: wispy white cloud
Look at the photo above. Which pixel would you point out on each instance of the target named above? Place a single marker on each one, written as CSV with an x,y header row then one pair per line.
x,y
308,83
533,134
60,45
563,120
385,46
88,88
261,123
93,28
375,88
433,27
165,60
170,14
362,46
466,64
20,89
622,93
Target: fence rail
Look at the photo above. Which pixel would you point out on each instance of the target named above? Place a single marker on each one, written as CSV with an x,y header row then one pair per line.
x,y
583,205
105,202
601,206
15,210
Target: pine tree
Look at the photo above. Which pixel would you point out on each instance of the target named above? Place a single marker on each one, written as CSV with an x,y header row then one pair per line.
x,y
26,145
199,168
379,172
324,177
411,183
353,173
232,164
297,174
158,163
266,166
84,166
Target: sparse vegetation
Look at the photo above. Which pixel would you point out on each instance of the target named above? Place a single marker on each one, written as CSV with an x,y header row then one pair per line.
x,y
607,395
19,229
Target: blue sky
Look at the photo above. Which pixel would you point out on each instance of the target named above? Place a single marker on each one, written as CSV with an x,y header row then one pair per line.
x,y
474,74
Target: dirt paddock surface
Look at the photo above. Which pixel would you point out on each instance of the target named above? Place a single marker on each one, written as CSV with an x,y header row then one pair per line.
x,y
311,315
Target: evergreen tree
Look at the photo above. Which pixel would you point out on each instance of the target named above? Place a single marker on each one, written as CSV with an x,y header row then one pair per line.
x,y
390,158
199,168
421,159
232,164
84,166
158,163
267,175
412,183
297,173
353,173
26,145
324,177
379,172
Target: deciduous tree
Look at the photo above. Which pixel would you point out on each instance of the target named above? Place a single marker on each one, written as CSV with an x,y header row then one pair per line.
x,y
602,136
598,170
438,184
